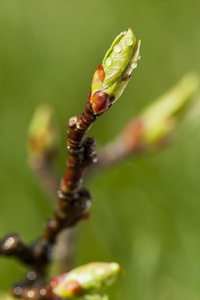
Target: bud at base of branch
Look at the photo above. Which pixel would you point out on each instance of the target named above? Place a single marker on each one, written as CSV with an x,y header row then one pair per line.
x,y
85,279
43,135
100,101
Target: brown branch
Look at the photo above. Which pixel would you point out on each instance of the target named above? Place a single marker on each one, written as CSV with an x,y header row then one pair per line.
x,y
42,167
63,252
128,143
12,246
73,202
80,153
108,83
28,289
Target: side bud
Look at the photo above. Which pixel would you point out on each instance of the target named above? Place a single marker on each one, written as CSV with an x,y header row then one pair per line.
x,y
85,280
43,136
153,128
112,76
162,116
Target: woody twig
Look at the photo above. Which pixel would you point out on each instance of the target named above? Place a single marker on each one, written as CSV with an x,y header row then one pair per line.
x,y
43,145
108,83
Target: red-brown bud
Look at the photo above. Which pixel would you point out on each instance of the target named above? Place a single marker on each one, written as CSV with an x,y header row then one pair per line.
x,y
100,101
89,96
98,78
74,287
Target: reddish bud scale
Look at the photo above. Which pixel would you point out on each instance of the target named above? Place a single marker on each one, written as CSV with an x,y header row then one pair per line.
x,y
99,75
56,280
89,96
126,78
85,216
73,287
100,101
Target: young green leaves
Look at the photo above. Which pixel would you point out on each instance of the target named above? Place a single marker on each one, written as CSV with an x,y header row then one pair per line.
x,y
162,115
112,76
155,125
85,280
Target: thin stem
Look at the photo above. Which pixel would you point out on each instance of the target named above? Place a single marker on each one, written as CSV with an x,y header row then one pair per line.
x,y
80,153
42,167
73,202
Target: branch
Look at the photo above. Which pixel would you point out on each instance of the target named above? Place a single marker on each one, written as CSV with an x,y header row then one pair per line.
x,y
109,81
42,143
152,130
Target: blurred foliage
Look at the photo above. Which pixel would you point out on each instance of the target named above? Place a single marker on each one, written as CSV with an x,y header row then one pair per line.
x,y
5,296
146,211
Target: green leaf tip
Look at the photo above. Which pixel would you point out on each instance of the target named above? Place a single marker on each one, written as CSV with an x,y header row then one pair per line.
x,y
43,135
162,115
112,76
85,280
154,127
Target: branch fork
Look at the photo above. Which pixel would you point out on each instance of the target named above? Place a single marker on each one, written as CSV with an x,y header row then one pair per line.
x,y
108,83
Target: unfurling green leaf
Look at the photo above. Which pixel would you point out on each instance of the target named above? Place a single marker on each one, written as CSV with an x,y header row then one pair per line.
x,y
160,117
112,76
151,129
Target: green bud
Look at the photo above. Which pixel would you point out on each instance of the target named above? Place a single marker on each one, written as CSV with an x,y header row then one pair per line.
x,y
118,56
161,117
94,297
111,78
152,128
43,136
85,279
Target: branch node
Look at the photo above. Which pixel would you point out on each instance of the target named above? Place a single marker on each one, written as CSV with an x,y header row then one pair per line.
x,y
73,120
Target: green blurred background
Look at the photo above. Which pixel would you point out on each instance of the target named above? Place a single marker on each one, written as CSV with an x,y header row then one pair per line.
x,y
146,213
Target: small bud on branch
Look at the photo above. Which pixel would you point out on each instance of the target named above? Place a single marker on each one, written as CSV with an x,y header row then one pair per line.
x,y
43,135
148,131
108,84
161,117
112,76
85,279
